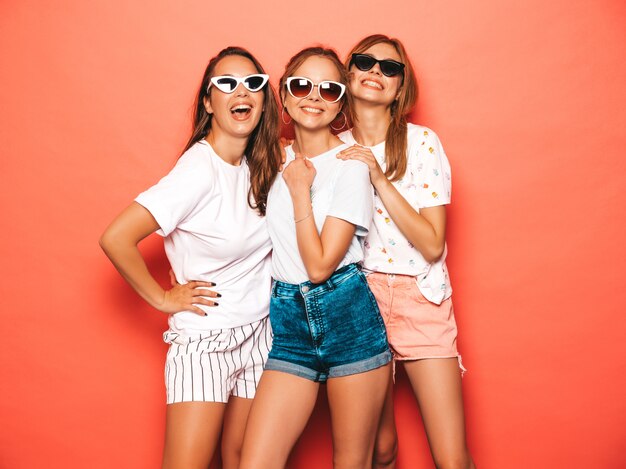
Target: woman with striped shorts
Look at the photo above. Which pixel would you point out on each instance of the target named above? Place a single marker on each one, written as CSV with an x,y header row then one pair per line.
x,y
210,210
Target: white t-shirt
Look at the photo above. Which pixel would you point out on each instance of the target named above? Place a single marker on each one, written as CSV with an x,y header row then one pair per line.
x,y
426,183
341,189
212,234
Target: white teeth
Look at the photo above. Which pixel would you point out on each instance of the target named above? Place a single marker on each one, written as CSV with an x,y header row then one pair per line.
x,y
241,107
312,109
373,83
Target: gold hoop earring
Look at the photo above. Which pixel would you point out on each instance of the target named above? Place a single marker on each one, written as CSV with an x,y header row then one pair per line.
x,y
282,116
345,121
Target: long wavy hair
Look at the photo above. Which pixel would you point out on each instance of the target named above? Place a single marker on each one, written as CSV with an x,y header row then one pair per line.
x,y
262,151
396,138
294,63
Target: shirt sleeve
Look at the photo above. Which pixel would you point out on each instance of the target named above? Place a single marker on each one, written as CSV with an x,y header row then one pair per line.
x,y
173,199
431,170
353,198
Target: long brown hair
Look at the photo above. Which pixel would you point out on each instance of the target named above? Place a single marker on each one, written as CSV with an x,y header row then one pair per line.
x,y
262,151
396,138
294,63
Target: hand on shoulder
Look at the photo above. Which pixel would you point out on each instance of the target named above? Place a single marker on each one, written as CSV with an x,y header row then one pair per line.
x,y
364,155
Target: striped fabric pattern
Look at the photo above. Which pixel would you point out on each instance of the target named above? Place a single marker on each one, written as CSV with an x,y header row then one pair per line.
x,y
211,366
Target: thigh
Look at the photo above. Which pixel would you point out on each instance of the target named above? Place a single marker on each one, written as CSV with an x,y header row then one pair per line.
x,y
192,430
418,328
356,402
437,387
235,419
280,411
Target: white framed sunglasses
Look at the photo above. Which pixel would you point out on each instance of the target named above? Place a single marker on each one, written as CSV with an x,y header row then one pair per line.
x,y
227,84
301,87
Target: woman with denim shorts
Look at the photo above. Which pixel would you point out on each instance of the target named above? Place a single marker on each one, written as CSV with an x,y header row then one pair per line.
x,y
405,249
326,323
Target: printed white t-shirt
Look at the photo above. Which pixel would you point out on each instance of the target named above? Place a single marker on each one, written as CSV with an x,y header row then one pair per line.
x,y
212,234
426,183
341,189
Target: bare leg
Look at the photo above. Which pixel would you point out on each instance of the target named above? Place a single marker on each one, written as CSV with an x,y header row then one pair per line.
x,y
235,421
437,386
356,402
191,433
282,406
386,446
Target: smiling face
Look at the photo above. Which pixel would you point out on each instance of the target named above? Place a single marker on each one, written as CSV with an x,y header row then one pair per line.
x,y
238,113
372,86
312,112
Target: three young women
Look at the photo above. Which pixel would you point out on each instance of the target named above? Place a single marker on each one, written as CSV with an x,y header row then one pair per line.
x,y
327,327
318,210
405,248
210,210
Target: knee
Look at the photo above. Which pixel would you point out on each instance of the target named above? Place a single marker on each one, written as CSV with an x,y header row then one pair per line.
x,y
385,450
454,461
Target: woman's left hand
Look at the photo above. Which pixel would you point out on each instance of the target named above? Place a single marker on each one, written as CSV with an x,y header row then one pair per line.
x,y
364,154
299,175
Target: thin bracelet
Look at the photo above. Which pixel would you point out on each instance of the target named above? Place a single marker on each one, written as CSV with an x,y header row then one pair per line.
x,y
302,219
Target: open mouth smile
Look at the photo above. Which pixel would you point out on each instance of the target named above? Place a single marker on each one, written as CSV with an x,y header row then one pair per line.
x,y
241,111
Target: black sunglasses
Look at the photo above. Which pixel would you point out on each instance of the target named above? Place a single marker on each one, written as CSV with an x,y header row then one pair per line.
x,y
364,62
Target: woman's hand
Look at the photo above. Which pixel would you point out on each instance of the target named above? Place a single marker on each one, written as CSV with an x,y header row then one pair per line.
x,y
185,297
119,242
364,154
299,175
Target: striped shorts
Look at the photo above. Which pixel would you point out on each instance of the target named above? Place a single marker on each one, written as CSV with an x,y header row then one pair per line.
x,y
211,366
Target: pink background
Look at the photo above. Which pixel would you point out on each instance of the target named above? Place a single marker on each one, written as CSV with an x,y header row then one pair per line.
x,y
530,103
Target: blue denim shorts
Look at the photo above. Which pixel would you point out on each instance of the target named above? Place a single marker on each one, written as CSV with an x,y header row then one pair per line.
x,y
327,330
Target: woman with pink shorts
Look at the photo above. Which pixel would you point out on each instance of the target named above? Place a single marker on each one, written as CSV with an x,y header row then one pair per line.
x,y
405,249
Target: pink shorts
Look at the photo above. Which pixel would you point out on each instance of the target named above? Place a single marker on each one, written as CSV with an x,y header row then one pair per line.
x,y
416,328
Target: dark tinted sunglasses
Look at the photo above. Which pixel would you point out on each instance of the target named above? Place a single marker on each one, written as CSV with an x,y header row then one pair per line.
x,y
364,62
301,87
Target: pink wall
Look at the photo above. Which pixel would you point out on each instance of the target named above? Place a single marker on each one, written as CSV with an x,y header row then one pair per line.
x,y
529,101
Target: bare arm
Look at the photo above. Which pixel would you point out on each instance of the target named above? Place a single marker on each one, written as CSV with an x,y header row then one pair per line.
x,y
320,254
119,242
426,229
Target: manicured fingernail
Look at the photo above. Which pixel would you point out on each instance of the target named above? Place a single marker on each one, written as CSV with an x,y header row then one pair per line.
x,y
215,304
219,295
213,284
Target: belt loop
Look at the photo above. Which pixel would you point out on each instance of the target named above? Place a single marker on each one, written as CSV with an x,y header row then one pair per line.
x,y
273,289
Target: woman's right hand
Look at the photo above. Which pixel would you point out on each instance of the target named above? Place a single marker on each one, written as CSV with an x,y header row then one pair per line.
x,y
185,297
364,154
119,241
299,175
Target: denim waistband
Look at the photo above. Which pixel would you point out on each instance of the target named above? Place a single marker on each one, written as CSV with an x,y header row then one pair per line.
x,y
309,288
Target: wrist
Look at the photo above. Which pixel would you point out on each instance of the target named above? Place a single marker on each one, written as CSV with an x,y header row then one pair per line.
x,y
305,217
301,195
381,182
299,185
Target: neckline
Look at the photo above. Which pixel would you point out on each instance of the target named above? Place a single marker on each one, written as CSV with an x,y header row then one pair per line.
x,y
334,150
371,147
213,153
